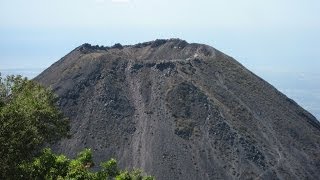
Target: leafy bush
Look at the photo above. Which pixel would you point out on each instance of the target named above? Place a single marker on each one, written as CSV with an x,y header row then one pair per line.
x,y
52,166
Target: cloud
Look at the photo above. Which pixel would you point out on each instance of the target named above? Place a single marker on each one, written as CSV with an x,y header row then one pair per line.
x,y
112,1
100,1
120,1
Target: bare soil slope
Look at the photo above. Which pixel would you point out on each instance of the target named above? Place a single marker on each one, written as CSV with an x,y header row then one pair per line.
x,y
181,111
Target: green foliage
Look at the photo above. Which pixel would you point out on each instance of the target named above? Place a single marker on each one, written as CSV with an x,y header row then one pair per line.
x,y
51,166
133,175
78,168
28,119
109,168
46,166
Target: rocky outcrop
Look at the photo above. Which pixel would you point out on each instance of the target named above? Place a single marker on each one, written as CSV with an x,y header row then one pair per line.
x,y
181,111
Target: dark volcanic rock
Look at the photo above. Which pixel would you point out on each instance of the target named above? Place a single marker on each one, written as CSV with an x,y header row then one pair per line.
x,y
181,111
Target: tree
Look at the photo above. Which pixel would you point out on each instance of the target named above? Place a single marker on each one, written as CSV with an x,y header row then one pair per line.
x,y
52,166
28,120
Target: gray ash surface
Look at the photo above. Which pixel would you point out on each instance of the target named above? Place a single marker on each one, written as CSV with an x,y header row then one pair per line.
x,y
181,111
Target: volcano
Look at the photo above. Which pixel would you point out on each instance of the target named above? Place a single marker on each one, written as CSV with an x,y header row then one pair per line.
x,y
181,110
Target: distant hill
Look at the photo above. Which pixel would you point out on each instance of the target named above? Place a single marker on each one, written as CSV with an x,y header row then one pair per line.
x,y
25,72
181,111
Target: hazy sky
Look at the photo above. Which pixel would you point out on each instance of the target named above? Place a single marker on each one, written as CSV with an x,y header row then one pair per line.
x,y
277,39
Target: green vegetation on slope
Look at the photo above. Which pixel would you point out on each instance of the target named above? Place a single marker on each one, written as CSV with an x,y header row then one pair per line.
x,y
52,166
